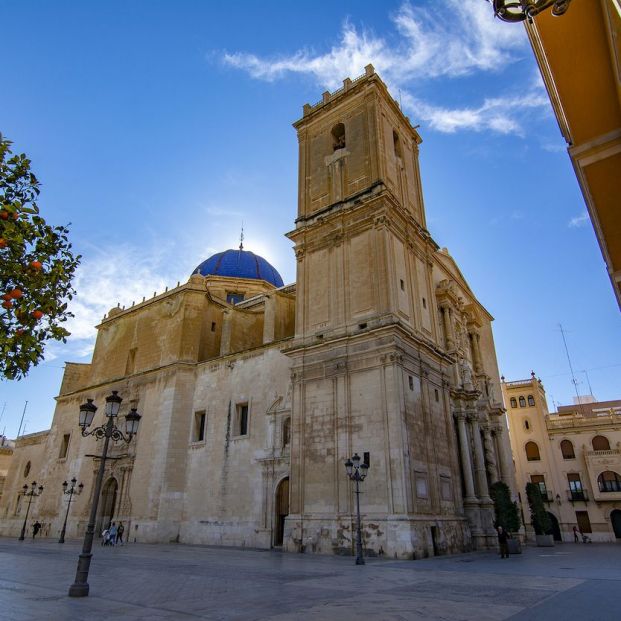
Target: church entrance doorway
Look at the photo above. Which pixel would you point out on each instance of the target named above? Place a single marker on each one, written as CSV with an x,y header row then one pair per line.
x,y
615,519
107,505
282,510
555,531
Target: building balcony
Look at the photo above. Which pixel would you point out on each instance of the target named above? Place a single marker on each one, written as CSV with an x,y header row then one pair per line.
x,y
547,496
580,495
575,421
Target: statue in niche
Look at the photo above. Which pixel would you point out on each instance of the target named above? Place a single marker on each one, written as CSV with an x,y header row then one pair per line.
x,y
466,375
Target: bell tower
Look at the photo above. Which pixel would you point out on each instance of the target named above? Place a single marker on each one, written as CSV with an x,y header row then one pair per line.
x,y
368,361
360,215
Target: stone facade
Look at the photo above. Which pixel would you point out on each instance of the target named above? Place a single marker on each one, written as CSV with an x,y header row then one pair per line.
x,y
249,408
568,453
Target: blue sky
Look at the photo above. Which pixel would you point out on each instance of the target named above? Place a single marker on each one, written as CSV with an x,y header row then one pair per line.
x,y
156,128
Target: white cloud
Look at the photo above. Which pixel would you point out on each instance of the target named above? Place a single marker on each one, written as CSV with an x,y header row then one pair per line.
x,y
123,275
500,114
579,221
449,39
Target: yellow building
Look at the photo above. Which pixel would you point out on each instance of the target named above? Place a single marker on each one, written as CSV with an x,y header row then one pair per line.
x,y
254,393
579,54
574,455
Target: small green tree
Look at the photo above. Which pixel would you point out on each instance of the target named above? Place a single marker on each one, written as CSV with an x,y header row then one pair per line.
x,y
36,269
538,515
505,509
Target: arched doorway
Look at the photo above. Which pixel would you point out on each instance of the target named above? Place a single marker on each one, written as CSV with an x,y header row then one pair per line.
x,y
282,510
107,504
615,520
555,531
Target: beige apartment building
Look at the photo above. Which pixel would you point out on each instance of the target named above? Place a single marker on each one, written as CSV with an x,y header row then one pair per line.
x,y
254,393
573,454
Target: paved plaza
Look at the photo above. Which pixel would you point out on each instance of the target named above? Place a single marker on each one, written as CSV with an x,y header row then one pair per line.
x,y
166,582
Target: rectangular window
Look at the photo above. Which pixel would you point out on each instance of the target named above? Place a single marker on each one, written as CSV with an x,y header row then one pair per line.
x,y
411,382
200,418
234,298
213,326
402,284
445,487
584,523
366,458
539,480
437,394
575,487
64,446
421,486
241,420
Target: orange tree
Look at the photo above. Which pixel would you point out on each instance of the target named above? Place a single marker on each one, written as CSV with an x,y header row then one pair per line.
x,y
36,269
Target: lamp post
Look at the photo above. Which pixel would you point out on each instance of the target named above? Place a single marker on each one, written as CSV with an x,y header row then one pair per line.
x,y
519,10
33,492
357,472
71,491
107,431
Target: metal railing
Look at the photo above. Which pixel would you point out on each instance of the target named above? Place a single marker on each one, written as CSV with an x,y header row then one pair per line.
x,y
580,495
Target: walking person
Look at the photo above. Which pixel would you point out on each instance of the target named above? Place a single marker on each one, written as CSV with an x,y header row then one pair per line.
x,y
112,531
502,542
119,533
36,527
576,533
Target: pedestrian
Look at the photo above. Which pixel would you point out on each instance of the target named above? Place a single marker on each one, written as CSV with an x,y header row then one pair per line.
x,y
36,527
105,537
502,542
576,537
113,532
119,533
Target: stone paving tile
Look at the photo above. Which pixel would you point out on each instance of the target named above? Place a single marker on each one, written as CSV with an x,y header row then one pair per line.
x,y
160,582
402,609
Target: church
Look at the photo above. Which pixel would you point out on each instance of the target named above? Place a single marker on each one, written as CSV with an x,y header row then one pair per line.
x,y
253,393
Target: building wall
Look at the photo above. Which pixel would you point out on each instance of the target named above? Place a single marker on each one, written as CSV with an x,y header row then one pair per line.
x,y
379,348
535,424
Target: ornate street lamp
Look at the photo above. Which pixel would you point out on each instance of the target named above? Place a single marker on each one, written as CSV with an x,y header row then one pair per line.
x,y
71,492
519,10
33,492
107,431
357,472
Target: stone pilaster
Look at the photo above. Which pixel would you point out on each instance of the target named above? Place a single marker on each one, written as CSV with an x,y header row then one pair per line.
x,y
479,460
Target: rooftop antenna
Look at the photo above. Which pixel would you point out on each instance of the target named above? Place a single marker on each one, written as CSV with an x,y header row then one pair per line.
x,y
583,371
3,409
573,377
241,238
22,420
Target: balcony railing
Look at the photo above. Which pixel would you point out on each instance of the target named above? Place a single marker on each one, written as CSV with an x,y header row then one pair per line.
x,y
574,495
547,495
573,420
607,453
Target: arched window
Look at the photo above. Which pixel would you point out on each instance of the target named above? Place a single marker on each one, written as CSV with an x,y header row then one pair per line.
x,y
600,443
522,402
27,469
396,143
513,402
609,481
338,137
567,449
531,401
526,424
532,452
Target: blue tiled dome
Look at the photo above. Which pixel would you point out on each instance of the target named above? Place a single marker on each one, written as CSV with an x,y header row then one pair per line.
x,y
239,264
